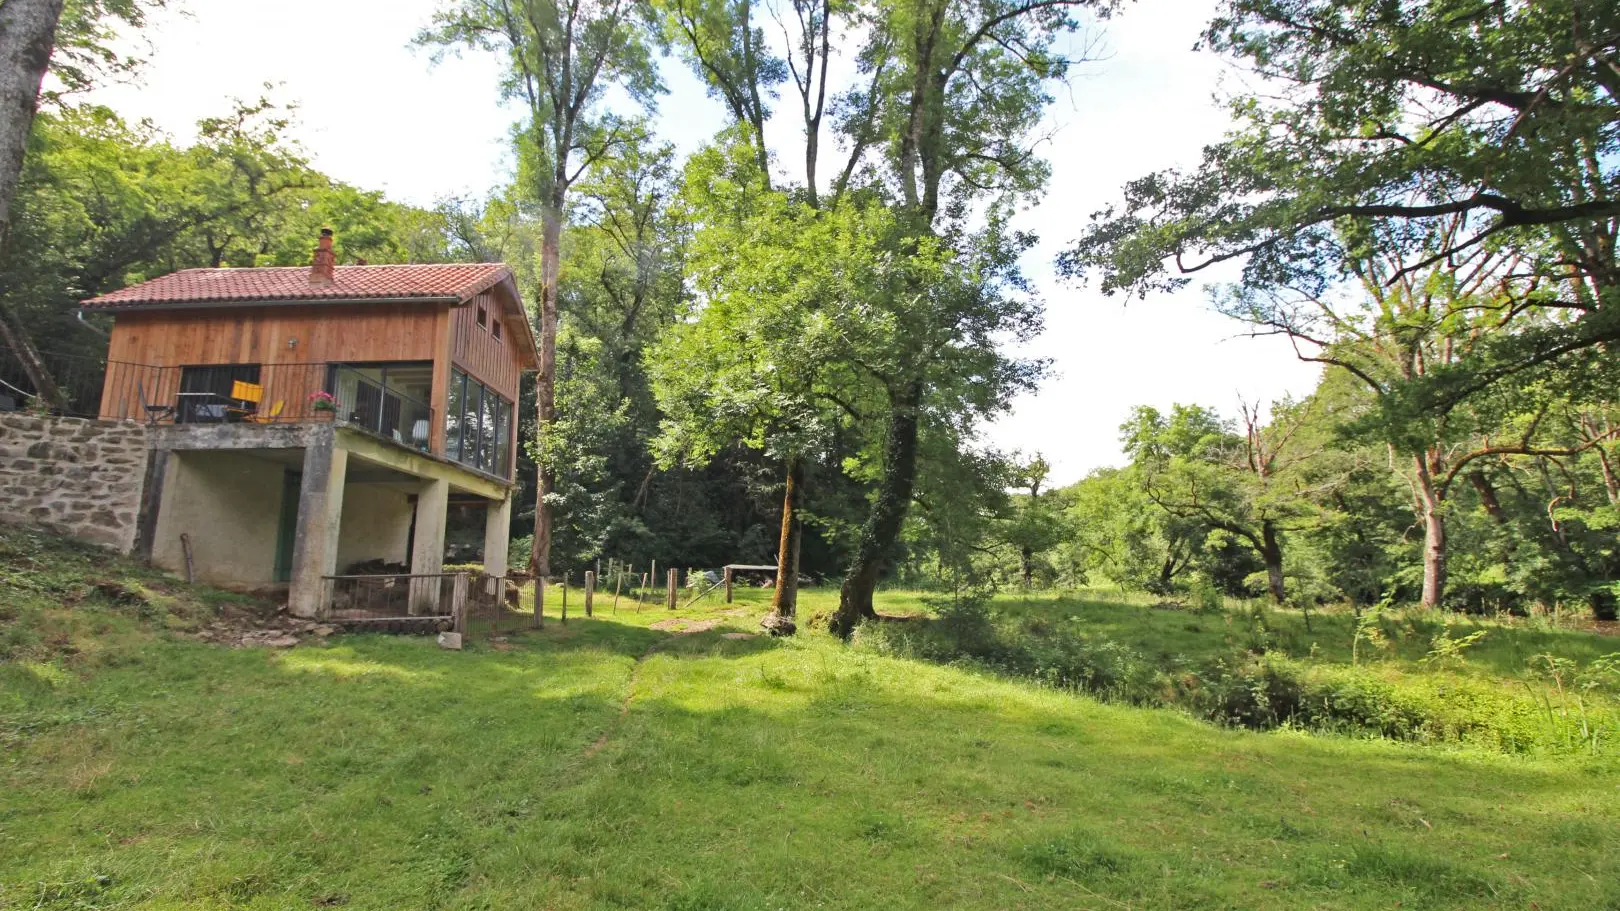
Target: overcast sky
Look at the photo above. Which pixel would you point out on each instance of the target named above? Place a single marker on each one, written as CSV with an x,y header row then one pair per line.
x,y
377,113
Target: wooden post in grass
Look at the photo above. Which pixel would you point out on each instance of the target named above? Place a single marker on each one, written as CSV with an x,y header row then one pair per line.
x,y
590,590
618,582
641,591
539,602
653,574
669,591
728,573
565,600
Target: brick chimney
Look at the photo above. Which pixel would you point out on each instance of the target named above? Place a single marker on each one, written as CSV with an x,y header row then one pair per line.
x,y
320,273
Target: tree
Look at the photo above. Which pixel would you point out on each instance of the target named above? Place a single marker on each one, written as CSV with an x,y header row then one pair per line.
x,y
1410,112
622,289
562,57
768,362
1035,525
1477,126
27,35
1119,534
71,41
1194,465
727,50
725,46
102,203
957,90
1413,329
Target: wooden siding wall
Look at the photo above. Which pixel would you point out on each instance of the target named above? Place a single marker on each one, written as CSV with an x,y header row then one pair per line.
x,y
259,335
477,352
495,362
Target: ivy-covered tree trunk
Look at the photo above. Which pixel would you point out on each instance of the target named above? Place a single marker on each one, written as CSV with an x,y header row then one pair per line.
x,y
1431,503
1271,554
27,36
882,530
785,601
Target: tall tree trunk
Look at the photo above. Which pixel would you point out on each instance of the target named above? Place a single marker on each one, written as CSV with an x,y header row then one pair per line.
x,y
27,36
888,513
785,601
1432,504
1272,554
545,383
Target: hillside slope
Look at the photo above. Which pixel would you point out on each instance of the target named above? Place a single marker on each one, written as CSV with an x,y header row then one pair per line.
x,y
607,764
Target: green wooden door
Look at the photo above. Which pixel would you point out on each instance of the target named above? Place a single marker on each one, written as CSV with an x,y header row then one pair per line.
x,y
287,529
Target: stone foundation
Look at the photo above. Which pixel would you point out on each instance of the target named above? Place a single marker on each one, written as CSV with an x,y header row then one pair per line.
x,y
74,477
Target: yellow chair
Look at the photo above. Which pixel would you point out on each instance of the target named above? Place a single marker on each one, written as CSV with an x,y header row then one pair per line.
x,y
247,392
275,412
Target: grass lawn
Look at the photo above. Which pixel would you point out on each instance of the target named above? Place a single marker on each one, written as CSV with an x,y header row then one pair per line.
x,y
607,764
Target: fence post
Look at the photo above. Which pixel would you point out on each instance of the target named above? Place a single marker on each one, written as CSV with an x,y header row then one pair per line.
x,y
539,602
458,603
641,592
565,600
590,590
669,593
728,572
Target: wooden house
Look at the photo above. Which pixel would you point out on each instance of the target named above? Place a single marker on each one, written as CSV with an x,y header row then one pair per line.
x,y
311,421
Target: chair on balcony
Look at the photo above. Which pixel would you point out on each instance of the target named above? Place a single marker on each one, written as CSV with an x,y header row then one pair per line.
x,y
154,413
268,417
247,397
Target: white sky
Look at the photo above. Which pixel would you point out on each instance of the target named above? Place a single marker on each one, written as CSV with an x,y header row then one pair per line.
x,y
375,112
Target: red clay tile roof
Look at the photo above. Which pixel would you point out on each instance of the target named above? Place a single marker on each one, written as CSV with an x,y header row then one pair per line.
x,y
191,287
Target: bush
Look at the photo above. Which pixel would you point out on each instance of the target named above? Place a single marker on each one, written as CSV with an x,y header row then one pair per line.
x,y
1260,689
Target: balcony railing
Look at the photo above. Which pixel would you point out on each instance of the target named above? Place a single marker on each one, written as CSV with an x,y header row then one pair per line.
x,y
364,402
222,393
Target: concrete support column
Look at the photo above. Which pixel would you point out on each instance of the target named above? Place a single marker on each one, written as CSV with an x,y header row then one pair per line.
x,y
497,536
427,556
320,513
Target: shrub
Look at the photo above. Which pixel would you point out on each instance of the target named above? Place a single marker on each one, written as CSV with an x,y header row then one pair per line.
x,y
1256,688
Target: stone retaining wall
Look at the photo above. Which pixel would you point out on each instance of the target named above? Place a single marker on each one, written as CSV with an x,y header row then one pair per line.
x,y
73,477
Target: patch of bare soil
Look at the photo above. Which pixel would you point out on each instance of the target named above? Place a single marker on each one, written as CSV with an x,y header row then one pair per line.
x,y
246,629
683,626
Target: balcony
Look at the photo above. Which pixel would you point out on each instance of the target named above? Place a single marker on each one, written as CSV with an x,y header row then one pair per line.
x,y
376,399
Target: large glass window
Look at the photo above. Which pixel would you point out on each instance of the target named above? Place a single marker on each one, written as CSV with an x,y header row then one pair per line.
x,y
389,400
503,438
452,420
478,426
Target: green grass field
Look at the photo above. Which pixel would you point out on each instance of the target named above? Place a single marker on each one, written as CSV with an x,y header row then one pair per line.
x,y
606,764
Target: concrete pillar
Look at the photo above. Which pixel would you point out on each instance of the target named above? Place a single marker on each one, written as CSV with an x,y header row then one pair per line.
x,y
497,536
427,556
320,514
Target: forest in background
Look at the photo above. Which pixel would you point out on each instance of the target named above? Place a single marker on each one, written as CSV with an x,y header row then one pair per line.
x,y
1423,201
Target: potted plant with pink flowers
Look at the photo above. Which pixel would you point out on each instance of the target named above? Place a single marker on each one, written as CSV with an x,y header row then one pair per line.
x,y
323,402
